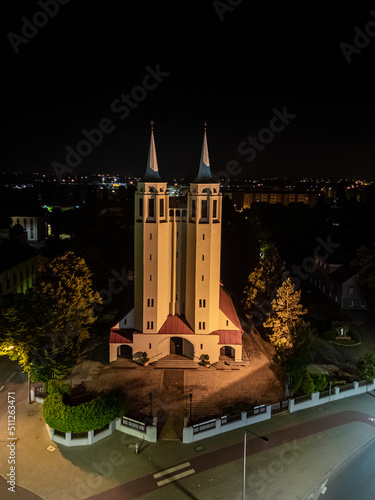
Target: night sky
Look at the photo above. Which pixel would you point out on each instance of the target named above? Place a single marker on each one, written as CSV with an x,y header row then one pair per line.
x,y
232,72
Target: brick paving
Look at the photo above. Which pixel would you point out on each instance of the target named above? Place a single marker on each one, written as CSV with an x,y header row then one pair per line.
x,y
213,390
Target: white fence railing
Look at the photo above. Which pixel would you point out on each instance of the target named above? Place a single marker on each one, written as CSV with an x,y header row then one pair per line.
x,y
124,424
213,427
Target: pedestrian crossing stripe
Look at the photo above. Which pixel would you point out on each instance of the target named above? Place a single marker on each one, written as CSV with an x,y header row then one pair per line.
x,y
175,477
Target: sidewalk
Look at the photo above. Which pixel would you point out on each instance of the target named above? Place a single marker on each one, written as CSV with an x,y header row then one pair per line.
x,y
306,445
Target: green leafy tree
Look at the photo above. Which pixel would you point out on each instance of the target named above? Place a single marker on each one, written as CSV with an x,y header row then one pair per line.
x,y
287,311
366,366
291,361
44,329
265,279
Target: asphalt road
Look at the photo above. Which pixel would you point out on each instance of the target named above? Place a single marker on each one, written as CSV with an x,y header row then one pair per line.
x,y
354,479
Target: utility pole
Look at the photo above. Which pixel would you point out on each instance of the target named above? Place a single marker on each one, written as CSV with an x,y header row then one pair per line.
x,y
244,459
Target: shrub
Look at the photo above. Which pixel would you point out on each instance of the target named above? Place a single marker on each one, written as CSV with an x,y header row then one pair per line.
x,y
58,388
88,416
145,358
320,382
307,385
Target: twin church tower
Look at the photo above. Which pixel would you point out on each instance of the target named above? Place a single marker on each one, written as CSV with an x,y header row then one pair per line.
x,y
180,306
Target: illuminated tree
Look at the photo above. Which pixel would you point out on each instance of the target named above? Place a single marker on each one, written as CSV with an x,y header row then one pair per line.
x,y
44,329
287,311
265,279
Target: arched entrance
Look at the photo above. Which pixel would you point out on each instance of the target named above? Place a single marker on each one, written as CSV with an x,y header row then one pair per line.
x,y
228,351
181,347
125,351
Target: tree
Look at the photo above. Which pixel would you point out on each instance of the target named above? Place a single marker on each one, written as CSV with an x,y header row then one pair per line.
x,y
366,260
265,279
291,361
44,329
366,366
287,311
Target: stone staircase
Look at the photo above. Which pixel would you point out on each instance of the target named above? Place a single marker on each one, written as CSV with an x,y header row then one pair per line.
x,y
175,362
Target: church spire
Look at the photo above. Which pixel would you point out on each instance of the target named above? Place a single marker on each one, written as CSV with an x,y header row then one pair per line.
x,y
152,171
204,173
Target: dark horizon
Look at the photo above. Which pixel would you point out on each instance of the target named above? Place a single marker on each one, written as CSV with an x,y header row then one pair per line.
x,y
239,70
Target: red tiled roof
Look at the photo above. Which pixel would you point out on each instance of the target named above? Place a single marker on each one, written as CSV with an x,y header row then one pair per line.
x,y
227,307
174,324
228,336
121,336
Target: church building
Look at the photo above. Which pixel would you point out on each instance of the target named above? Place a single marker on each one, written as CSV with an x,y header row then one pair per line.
x,y
180,305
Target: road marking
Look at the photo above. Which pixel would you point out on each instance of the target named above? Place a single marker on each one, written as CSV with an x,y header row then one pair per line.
x,y
324,490
10,378
370,418
172,469
176,477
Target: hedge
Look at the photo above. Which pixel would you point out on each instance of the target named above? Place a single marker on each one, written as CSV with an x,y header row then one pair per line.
x,y
88,416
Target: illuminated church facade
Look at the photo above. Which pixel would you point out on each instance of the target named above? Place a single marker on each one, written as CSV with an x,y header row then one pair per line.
x,y
180,305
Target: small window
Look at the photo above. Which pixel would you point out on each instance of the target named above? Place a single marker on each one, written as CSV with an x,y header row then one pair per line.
x,y
200,302
140,207
200,325
149,346
161,208
202,277
125,320
202,258
203,325
150,277
203,236
204,302
150,236
227,323
201,346
150,256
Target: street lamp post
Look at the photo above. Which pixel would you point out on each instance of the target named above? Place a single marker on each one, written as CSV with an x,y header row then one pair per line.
x,y
244,459
191,397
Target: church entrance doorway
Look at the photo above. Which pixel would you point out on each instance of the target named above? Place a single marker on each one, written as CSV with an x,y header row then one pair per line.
x,y
227,351
181,347
125,352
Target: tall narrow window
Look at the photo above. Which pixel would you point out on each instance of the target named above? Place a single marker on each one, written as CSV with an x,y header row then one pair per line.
x,y
202,277
204,302
204,209
151,208
162,208
203,325
200,325
193,208
214,209
202,258
140,207
203,236
200,302
150,256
